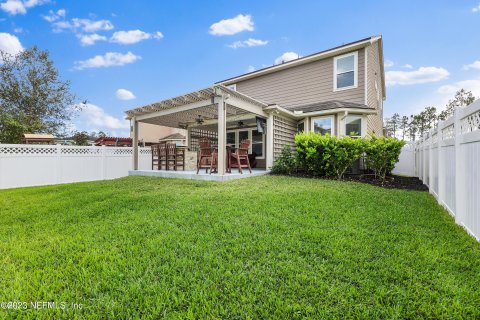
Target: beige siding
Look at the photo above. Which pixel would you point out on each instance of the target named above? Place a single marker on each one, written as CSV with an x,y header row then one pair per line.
x,y
304,84
374,122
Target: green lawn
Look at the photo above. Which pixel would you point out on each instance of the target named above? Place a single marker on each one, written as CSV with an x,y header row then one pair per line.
x,y
265,247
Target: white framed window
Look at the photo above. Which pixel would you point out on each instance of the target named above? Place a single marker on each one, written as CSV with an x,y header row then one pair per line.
x,y
345,71
257,139
323,125
232,87
354,126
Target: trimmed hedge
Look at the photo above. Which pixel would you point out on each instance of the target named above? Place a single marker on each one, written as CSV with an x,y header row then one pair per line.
x,y
330,156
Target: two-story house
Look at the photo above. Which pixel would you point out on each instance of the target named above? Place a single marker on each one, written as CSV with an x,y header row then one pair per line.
x,y
339,91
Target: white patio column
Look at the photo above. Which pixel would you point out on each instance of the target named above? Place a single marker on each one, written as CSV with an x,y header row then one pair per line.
x,y
135,142
222,133
269,142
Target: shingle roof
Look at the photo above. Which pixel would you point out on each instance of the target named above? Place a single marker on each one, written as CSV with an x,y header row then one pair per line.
x,y
327,105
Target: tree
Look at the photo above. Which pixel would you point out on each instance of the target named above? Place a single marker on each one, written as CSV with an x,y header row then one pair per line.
x,y
392,125
81,138
33,98
462,98
404,123
413,128
430,115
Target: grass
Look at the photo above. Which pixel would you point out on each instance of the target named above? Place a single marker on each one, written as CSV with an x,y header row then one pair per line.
x,y
265,247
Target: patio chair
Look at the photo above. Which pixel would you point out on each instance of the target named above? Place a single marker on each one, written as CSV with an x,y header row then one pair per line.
x,y
155,157
162,156
180,158
171,156
205,155
239,158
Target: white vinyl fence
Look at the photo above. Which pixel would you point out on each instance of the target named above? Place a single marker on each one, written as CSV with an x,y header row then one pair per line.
x,y
447,160
23,165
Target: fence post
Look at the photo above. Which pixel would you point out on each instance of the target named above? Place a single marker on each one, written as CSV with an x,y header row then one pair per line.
x,y
441,166
104,154
459,179
430,167
424,158
58,161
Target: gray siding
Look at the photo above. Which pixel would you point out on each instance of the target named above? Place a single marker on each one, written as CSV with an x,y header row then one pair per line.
x,y
374,122
304,84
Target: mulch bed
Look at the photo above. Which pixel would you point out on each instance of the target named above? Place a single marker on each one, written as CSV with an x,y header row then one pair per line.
x,y
391,182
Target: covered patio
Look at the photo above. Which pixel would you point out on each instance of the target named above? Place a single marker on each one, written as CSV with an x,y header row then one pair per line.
x,y
223,116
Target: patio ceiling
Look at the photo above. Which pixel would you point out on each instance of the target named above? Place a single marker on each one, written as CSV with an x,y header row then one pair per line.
x,y
182,111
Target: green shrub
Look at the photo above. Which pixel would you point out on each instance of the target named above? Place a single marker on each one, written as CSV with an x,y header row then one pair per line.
x,y
309,153
285,164
325,155
381,154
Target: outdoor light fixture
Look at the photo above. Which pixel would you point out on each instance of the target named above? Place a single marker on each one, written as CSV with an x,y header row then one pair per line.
x,y
199,120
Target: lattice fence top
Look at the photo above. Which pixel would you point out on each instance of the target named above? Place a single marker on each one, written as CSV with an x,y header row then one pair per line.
x,y
448,132
471,122
58,150
19,149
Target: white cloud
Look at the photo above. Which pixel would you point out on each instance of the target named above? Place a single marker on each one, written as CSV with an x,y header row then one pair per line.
x,y
474,65
109,59
248,43
251,69
18,30
469,85
408,66
90,39
388,63
86,25
476,9
54,16
133,36
15,7
232,26
124,94
421,75
10,43
287,56
94,118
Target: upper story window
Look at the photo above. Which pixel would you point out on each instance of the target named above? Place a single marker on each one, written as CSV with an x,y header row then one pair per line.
x,y
345,71
232,87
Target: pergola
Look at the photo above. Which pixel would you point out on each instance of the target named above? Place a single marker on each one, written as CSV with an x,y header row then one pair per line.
x,y
214,106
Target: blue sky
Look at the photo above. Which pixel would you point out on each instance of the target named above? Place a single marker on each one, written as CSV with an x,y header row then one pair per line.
x,y
158,49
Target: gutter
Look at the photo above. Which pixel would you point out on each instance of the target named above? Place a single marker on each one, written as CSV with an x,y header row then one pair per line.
x,y
300,115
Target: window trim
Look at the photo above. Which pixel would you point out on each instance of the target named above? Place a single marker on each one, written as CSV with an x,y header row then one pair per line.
x,y
355,71
250,135
312,123
361,125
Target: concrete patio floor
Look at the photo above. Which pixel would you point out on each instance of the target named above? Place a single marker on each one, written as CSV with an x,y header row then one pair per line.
x,y
192,175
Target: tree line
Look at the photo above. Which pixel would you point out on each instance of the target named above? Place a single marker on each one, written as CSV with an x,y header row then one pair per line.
x,y
414,126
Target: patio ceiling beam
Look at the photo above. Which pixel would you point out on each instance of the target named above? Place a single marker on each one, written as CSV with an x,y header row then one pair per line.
x,y
247,106
190,106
